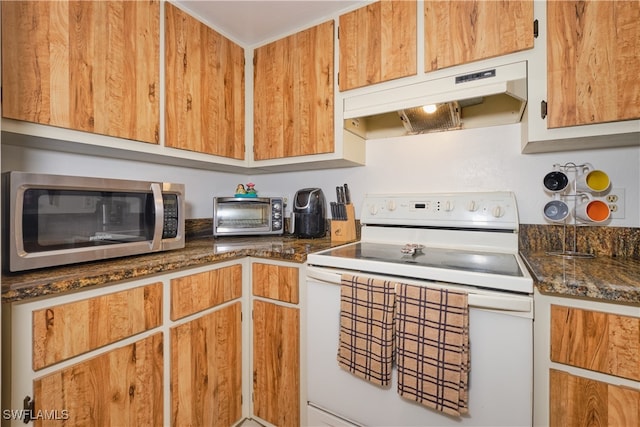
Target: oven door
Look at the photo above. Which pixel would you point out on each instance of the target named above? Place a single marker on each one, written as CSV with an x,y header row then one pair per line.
x,y
501,374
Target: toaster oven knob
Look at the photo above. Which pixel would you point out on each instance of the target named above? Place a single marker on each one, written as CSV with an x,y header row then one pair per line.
x,y
277,225
276,215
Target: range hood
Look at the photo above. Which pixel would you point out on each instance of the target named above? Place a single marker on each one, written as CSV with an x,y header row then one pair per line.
x,y
487,97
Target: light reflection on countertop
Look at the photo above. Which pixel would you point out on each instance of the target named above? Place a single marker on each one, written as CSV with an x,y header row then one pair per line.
x,y
610,279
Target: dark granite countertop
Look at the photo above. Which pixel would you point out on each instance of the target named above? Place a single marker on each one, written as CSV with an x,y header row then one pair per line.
x,y
604,278
197,252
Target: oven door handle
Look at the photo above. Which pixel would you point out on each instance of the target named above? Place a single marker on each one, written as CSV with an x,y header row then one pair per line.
x,y
501,303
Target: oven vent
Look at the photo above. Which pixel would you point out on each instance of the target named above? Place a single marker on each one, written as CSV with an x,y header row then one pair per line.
x,y
417,120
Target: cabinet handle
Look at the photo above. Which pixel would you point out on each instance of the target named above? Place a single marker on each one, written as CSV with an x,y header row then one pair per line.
x,y
189,100
543,109
152,92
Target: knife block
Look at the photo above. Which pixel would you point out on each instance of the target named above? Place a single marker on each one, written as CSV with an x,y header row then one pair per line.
x,y
344,230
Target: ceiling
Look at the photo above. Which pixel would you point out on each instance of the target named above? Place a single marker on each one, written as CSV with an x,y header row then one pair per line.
x,y
250,22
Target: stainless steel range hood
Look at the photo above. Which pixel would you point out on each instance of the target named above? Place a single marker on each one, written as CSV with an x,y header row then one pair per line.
x,y
487,97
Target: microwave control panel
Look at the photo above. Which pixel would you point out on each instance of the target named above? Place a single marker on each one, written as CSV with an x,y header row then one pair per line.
x,y
170,227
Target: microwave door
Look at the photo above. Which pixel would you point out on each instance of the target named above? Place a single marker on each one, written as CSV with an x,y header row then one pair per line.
x,y
70,219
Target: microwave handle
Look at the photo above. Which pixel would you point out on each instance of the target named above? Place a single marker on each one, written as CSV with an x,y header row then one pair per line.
x,y
158,202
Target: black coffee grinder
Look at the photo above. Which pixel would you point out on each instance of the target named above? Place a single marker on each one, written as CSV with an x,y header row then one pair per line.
x,y
309,213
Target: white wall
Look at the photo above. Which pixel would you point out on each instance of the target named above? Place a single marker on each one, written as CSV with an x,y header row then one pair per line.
x,y
472,160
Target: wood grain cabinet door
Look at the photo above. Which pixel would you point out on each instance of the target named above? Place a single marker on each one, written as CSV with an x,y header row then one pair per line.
x,y
593,58
276,363
462,31
86,65
577,401
206,369
378,43
204,81
123,387
293,98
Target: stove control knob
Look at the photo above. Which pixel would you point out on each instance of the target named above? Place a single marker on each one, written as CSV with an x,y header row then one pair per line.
x,y
497,211
448,206
472,206
373,209
391,205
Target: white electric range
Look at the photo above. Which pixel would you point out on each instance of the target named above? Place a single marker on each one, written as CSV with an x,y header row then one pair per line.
x,y
463,241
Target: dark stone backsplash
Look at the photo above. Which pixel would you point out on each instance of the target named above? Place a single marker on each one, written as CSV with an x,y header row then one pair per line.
x,y
604,241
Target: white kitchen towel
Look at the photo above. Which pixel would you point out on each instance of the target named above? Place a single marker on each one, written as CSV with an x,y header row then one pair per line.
x,y
432,347
366,328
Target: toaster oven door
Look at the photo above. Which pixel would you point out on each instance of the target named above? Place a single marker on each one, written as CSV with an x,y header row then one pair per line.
x,y
237,216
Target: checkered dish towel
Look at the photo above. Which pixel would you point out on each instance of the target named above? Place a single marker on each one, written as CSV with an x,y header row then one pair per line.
x,y
366,328
432,347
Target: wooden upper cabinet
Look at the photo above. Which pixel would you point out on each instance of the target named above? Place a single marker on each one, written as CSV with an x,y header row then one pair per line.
x,y
204,81
85,65
593,58
462,31
293,95
378,43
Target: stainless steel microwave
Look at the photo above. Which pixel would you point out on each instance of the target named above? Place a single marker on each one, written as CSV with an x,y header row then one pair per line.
x,y
239,216
51,220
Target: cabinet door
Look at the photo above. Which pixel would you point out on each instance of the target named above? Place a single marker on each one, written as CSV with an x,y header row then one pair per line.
x,y
86,65
592,62
276,363
206,369
276,282
67,330
204,74
293,95
122,387
462,31
378,43
577,401
598,341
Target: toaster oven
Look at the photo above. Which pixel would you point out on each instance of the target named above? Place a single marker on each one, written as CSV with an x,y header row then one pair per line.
x,y
239,216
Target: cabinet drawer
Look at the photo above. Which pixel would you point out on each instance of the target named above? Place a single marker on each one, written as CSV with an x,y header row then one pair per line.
x,y
598,341
276,282
67,330
197,292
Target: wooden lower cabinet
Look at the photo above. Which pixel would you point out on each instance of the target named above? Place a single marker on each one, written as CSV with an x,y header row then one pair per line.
x,y
206,369
578,401
276,343
276,367
587,363
122,387
111,356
